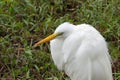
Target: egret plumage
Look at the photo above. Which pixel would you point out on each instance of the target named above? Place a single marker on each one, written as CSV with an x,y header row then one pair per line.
x,y
81,51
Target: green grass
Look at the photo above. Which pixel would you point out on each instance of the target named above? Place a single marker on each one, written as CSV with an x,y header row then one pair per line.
x,y
24,22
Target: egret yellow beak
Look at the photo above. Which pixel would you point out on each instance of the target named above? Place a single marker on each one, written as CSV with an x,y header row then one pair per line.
x,y
50,37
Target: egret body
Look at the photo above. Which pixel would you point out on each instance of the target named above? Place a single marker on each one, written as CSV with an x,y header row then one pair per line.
x,y
80,51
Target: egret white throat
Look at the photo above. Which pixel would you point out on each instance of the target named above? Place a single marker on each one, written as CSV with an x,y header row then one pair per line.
x,y
80,51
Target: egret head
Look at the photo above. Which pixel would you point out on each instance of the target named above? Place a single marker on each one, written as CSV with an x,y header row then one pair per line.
x,y
62,31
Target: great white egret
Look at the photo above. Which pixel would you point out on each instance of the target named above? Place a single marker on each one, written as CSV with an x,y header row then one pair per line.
x,y
80,51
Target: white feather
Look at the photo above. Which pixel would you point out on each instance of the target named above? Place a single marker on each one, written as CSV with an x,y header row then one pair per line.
x,y
81,52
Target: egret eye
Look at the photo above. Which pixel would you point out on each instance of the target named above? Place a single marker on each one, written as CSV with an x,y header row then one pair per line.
x,y
60,33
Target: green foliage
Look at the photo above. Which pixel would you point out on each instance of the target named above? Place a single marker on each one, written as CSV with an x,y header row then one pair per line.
x,y
23,22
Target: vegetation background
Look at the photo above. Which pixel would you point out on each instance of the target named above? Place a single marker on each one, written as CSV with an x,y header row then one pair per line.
x,y
24,22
